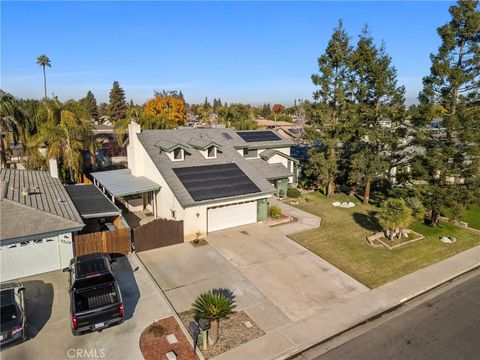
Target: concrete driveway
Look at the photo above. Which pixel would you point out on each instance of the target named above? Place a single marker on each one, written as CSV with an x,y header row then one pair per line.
x,y
297,281
275,280
48,313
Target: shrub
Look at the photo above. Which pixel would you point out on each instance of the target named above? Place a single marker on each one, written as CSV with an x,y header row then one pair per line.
x,y
274,211
293,193
418,210
215,305
281,193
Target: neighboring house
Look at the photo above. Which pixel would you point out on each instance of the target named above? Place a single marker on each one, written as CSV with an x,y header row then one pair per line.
x,y
211,179
36,224
284,128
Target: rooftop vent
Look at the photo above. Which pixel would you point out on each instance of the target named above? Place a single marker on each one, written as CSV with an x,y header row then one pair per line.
x,y
25,191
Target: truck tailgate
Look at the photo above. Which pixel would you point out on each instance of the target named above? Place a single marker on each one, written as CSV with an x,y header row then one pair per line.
x,y
99,315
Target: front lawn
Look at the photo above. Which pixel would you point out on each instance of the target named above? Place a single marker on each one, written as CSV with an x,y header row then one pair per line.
x,y
341,241
470,216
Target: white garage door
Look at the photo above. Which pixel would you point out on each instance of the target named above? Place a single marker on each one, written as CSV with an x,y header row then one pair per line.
x,y
228,216
29,258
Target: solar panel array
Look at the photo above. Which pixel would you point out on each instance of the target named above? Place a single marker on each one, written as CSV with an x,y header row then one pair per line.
x,y
254,136
215,181
89,200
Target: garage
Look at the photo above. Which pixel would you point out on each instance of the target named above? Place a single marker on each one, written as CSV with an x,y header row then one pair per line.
x,y
32,257
227,216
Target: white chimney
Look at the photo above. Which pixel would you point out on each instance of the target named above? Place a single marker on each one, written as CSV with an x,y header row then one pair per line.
x,y
52,164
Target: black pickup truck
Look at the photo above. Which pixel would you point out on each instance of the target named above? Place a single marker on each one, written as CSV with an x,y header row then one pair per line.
x,y
95,298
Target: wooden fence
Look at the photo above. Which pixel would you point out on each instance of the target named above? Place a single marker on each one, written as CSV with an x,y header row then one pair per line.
x,y
158,233
112,242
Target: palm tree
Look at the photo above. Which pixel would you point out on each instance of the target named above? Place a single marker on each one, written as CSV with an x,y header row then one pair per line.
x,y
66,142
44,61
214,305
12,121
394,214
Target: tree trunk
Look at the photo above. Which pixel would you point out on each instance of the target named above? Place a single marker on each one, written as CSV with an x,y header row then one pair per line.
x,y
213,333
353,190
435,218
44,82
331,186
4,154
366,194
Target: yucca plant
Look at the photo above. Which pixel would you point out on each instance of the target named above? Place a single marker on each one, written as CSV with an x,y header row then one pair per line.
x,y
214,305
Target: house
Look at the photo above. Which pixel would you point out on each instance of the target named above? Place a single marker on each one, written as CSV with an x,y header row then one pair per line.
x,y
212,179
286,129
36,224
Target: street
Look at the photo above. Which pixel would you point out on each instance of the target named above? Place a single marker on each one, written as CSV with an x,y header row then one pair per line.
x,y
446,327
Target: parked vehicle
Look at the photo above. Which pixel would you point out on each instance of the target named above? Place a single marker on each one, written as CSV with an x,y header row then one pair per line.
x,y
95,298
13,324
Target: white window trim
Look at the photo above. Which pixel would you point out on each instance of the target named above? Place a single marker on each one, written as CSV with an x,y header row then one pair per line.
x,y
182,152
214,152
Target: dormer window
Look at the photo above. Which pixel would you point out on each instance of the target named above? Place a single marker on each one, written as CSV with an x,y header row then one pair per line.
x,y
178,154
250,153
211,152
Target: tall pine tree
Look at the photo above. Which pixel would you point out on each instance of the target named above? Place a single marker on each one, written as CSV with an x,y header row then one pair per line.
x,y
90,104
379,111
451,93
331,118
117,107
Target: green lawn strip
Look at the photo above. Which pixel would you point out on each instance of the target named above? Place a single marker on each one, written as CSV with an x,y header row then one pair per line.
x,y
341,241
470,216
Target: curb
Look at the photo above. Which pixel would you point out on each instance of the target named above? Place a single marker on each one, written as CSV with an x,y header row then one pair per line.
x,y
375,315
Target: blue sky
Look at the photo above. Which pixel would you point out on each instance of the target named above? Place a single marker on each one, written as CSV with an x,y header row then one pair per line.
x,y
239,51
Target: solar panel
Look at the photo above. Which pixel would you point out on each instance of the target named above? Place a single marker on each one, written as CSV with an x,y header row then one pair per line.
x,y
254,136
215,181
89,200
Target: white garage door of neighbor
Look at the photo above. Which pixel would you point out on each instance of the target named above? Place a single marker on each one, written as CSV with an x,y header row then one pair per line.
x,y
228,216
29,258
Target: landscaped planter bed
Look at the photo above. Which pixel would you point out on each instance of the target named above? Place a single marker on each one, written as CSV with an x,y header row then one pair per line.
x,y
154,343
233,332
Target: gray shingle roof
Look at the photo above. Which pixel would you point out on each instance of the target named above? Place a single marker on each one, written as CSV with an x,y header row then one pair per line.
x,y
228,140
270,171
32,202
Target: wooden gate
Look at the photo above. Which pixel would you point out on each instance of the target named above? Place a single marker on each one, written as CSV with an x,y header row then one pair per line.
x,y
158,233
112,242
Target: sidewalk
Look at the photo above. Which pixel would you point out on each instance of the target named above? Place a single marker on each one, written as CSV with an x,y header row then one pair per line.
x,y
306,221
335,319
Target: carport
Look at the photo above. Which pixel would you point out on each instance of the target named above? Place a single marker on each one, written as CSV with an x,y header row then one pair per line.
x,y
97,211
137,193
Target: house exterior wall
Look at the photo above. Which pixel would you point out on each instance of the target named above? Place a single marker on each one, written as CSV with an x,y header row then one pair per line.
x,y
193,223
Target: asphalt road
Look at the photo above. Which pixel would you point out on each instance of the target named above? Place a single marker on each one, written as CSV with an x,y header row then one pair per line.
x,y
446,327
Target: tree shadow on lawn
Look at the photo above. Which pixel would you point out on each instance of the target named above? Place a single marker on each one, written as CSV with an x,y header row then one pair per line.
x,y
368,221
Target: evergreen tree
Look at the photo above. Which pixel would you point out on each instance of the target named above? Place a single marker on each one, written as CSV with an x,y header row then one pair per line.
x,y
331,115
451,94
90,104
117,108
377,98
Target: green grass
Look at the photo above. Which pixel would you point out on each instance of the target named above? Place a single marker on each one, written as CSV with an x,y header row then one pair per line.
x,y
341,241
471,216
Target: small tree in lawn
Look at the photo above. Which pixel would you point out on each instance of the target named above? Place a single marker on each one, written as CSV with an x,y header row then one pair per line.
x,y
214,305
394,215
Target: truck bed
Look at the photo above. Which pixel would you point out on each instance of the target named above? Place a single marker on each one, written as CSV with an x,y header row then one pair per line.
x,y
95,297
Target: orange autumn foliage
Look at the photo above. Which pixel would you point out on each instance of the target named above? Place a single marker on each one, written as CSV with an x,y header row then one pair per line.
x,y
170,108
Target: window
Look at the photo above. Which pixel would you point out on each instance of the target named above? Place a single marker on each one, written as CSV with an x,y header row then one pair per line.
x,y
212,152
250,154
178,154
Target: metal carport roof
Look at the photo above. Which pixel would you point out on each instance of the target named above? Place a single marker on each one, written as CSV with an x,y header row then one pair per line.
x,y
91,202
122,183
